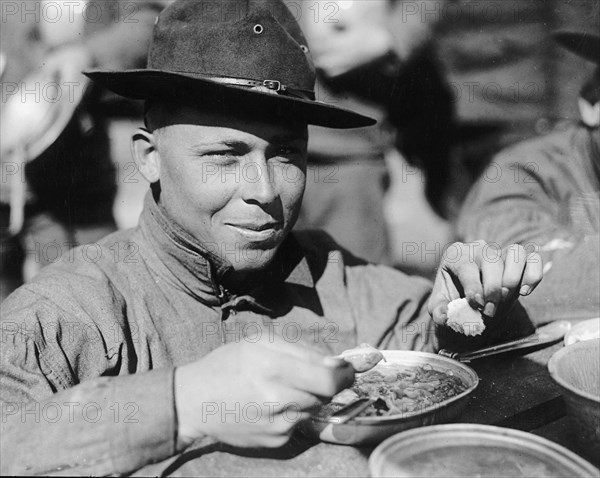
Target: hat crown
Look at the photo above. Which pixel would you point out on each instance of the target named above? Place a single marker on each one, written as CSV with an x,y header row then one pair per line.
x,y
253,39
231,53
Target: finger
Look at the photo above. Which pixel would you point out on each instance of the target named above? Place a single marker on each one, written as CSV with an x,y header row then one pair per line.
x,y
459,276
444,291
294,416
468,274
440,313
282,397
492,270
533,273
514,267
280,430
299,368
307,354
278,344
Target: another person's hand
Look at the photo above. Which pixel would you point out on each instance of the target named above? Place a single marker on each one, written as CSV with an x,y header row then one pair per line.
x,y
486,277
253,394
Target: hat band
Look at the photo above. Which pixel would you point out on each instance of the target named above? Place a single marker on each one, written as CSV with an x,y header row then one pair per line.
x,y
273,85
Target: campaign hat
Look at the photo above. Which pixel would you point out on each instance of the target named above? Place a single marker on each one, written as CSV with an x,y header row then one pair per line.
x,y
250,53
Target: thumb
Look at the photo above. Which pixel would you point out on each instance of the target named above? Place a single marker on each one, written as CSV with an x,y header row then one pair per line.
x,y
444,291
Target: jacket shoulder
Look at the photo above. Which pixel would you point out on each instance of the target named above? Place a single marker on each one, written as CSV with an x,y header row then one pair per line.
x,y
317,245
555,146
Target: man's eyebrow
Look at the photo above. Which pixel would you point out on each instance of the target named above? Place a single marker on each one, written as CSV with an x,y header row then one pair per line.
x,y
233,143
218,143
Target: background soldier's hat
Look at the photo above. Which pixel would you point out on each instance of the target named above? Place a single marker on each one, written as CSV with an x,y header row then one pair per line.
x,y
249,51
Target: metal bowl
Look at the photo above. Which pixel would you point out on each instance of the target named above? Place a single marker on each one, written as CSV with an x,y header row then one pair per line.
x,y
576,369
370,430
469,450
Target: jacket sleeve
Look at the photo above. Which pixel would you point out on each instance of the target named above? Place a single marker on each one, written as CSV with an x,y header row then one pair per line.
x,y
55,421
512,203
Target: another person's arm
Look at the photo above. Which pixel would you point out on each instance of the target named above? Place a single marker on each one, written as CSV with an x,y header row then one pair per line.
x,y
521,201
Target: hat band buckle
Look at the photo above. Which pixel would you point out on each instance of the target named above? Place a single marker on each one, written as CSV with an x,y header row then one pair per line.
x,y
273,86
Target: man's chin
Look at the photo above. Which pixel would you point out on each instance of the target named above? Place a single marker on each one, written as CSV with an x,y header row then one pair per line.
x,y
252,260
253,256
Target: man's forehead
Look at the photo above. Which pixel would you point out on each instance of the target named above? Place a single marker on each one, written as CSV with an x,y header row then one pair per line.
x,y
232,136
230,125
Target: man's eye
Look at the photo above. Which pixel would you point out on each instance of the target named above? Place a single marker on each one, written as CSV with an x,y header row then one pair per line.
x,y
220,155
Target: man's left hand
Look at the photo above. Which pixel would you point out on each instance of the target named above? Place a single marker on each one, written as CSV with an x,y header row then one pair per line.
x,y
487,277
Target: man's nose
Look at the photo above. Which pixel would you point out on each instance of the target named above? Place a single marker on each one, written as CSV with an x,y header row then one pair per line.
x,y
258,183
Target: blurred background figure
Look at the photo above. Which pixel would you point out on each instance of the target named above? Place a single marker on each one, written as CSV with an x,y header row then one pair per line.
x,y
60,167
545,194
372,58
453,82
509,82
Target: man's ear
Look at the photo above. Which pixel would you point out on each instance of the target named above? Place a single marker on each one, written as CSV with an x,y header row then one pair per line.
x,y
590,114
147,157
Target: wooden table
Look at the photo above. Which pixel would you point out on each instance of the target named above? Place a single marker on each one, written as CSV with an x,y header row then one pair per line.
x,y
515,391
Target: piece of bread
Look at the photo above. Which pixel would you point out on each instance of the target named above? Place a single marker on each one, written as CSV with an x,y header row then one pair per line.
x,y
463,319
363,358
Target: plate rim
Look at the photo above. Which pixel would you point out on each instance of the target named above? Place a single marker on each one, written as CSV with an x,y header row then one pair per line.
x,y
551,449
552,369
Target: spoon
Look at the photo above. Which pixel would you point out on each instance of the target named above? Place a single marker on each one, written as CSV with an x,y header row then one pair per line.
x,y
351,410
547,334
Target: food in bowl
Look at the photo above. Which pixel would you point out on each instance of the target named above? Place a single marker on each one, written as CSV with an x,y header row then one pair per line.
x,y
363,430
462,318
400,389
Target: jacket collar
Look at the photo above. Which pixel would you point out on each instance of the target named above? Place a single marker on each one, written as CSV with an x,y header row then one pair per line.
x,y
208,277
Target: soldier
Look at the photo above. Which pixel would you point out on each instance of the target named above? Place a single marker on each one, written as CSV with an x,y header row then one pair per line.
x,y
211,301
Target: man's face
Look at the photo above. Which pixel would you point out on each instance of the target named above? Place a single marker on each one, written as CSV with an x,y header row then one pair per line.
x,y
235,184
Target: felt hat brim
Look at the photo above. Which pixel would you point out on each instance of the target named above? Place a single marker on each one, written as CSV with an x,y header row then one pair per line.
x,y
583,44
144,84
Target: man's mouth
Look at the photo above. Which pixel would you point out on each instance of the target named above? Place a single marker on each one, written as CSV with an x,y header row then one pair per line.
x,y
258,226
257,231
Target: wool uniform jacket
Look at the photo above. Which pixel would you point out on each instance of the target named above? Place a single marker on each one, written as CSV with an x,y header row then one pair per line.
x,y
90,346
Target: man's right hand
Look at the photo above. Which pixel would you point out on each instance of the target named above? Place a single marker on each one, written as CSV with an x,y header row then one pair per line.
x,y
253,394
